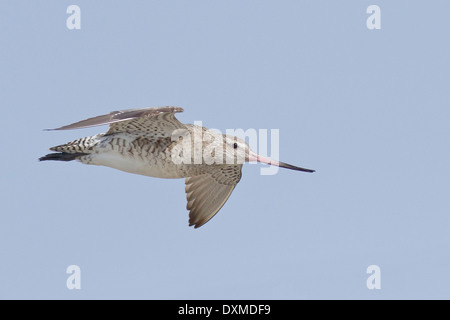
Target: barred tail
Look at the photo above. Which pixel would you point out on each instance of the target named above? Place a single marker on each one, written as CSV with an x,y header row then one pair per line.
x,y
83,145
72,150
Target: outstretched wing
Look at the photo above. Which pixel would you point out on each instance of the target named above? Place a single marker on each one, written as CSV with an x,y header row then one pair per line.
x,y
160,121
208,192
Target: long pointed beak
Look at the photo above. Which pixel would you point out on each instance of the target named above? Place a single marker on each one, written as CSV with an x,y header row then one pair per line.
x,y
255,157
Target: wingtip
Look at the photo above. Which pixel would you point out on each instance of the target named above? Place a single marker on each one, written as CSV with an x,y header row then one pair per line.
x,y
54,129
178,109
197,224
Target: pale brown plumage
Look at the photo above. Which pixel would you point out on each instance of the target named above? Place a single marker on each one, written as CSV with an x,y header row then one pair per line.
x,y
133,131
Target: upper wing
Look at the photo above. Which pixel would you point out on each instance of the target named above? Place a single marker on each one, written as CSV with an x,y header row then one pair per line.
x,y
160,121
208,192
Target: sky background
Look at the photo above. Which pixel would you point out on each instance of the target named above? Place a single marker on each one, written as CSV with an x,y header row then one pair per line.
x,y
368,109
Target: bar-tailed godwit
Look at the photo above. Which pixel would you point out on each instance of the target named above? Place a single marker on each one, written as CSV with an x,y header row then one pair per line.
x,y
152,142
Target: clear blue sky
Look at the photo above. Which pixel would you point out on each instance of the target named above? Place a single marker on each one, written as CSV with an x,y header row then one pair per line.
x,y
368,109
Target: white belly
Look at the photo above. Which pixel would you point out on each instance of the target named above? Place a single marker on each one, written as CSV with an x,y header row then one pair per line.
x,y
153,167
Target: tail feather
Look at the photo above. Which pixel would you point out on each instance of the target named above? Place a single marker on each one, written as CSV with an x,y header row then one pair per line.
x,y
62,156
79,146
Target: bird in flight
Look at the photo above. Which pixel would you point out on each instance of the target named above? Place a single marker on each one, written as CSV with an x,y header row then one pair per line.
x,y
152,142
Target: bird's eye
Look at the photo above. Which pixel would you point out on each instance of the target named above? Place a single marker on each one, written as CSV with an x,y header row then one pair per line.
x,y
235,145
